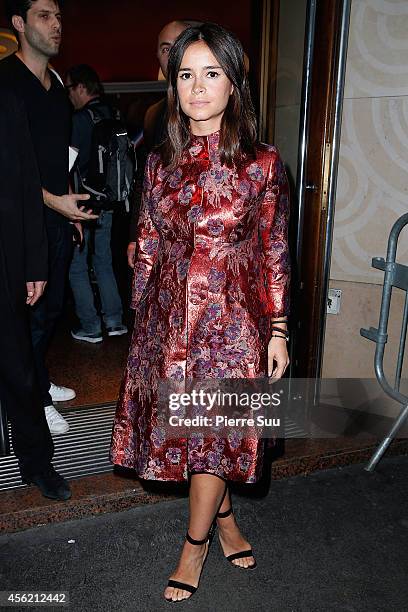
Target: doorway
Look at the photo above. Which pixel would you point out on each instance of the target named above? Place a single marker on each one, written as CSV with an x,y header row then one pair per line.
x,y
297,54
303,65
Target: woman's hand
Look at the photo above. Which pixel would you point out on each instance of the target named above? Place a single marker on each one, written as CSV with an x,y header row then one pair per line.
x,y
131,250
278,358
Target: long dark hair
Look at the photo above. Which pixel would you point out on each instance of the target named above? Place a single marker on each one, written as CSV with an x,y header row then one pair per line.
x,y
238,124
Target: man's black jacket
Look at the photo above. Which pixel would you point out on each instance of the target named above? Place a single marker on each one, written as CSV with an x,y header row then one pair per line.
x,y
23,243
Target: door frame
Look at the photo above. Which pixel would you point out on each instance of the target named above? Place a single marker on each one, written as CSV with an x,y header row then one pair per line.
x,y
313,201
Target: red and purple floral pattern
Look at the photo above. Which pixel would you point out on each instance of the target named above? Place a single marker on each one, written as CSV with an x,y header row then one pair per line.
x,y
212,268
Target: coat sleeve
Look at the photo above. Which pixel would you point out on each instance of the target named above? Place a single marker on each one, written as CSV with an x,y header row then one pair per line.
x,y
147,237
273,228
35,237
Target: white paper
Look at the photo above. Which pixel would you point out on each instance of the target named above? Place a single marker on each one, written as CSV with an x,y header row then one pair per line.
x,y
73,154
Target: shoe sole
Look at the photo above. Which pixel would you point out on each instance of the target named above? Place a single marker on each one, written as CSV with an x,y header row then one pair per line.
x,y
58,433
65,399
54,497
84,339
117,333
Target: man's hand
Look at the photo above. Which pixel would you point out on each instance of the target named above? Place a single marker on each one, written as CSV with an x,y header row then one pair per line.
x,y
131,254
67,205
35,289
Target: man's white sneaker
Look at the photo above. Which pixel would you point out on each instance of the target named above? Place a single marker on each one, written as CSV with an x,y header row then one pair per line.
x,y
56,423
61,394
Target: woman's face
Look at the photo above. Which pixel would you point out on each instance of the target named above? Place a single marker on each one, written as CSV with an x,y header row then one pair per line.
x,y
203,89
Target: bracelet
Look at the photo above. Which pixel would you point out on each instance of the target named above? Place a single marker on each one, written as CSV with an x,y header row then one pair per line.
x,y
279,329
277,336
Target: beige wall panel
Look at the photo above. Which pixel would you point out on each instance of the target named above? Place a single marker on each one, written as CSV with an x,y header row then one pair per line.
x,y
346,353
372,192
372,187
377,60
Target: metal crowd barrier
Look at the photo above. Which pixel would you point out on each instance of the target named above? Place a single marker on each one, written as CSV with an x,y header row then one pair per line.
x,y
396,275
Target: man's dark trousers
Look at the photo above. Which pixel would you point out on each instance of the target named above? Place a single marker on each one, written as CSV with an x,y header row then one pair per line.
x,y
19,392
48,309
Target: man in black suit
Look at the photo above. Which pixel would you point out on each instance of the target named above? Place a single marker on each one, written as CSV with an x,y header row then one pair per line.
x,y
23,274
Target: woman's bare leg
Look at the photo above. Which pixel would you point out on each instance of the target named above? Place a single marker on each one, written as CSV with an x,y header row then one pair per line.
x,y
226,502
206,492
232,541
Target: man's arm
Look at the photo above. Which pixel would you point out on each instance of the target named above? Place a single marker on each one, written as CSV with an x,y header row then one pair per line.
x,y
67,205
35,238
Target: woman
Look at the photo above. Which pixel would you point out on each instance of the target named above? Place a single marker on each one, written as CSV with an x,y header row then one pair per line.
x,y
211,281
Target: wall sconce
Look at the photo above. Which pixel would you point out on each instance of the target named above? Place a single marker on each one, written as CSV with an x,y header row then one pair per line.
x,y
8,43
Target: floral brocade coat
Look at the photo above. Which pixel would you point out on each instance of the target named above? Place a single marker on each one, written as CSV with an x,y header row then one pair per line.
x,y
211,269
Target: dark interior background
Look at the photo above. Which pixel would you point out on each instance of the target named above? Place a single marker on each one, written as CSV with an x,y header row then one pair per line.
x,y
118,38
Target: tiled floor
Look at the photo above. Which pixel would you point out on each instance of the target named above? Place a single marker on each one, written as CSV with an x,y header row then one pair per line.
x,y
93,370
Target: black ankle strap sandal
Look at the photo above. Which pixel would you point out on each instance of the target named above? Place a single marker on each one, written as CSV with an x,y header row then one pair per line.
x,y
183,585
241,554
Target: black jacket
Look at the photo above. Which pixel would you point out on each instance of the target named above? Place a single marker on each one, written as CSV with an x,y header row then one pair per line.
x,y
23,242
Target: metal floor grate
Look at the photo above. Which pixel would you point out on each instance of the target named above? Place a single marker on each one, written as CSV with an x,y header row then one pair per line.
x,y
84,450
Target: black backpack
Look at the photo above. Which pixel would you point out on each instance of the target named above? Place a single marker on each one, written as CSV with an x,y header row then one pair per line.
x,y
112,164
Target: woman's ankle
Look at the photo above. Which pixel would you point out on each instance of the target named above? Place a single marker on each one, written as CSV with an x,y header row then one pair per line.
x,y
226,522
195,550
